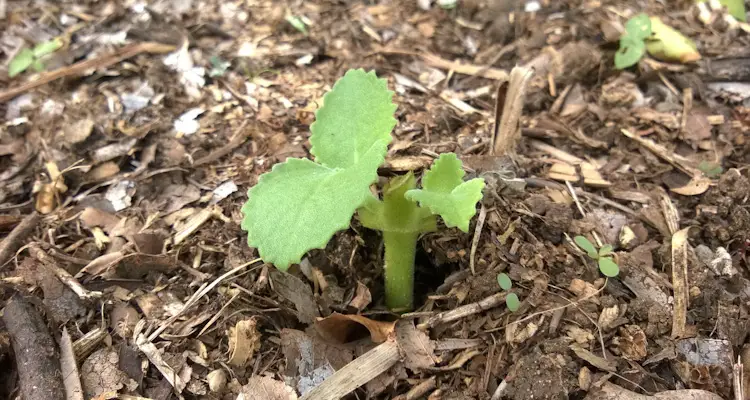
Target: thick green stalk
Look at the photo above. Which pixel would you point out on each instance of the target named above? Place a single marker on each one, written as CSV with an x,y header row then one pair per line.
x,y
400,250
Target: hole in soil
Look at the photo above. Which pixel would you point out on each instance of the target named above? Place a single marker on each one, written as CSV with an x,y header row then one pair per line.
x,y
428,276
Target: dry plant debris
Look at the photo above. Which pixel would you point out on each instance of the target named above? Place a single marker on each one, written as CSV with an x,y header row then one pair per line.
x,y
125,161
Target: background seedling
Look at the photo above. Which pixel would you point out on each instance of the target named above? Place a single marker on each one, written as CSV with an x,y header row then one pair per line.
x,y
511,299
603,256
649,34
300,204
32,57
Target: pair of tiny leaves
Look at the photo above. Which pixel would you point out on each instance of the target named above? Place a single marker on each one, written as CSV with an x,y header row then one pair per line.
x,y
300,204
607,265
31,57
511,299
632,43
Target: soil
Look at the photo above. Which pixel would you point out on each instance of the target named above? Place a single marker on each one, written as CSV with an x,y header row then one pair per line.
x,y
122,179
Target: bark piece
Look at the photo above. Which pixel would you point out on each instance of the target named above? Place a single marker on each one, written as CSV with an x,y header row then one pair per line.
x,y
37,358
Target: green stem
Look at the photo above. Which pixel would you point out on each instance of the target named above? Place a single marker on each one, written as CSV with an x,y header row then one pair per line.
x,y
400,250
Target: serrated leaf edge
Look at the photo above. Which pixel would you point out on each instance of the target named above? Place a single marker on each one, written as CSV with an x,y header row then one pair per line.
x,y
437,164
465,224
247,223
338,83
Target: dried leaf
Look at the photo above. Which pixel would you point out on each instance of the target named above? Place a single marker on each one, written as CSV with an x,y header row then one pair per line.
x,y
264,388
344,328
415,346
299,293
244,339
697,185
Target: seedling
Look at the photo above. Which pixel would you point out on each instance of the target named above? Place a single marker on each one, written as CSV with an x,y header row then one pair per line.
x,y
710,170
632,43
300,204
511,299
32,57
603,256
644,33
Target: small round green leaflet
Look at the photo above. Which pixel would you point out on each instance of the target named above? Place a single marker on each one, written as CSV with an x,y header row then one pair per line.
x,y
587,246
511,300
608,267
638,27
20,62
605,250
504,281
630,52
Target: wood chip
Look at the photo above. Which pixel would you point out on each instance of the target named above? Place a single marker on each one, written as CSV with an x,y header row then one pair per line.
x,y
357,373
680,283
593,359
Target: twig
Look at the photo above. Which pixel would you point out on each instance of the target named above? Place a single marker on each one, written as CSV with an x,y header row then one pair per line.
x,y
508,132
237,139
197,296
572,303
155,356
465,311
738,379
477,233
500,390
14,240
69,368
465,69
679,283
81,67
37,359
358,372
64,276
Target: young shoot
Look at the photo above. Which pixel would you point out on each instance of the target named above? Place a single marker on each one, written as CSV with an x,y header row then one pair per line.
x,y
511,299
300,204
603,256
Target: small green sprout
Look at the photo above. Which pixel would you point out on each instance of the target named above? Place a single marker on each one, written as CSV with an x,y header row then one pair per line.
x,y
709,169
603,256
218,66
649,34
297,22
300,204
32,57
511,299
633,42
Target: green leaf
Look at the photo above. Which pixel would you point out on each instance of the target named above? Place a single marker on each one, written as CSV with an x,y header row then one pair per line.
x,y
587,246
608,267
504,281
395,213
605,250
711,170
37,65
638,27
297,23
630,52
49,47
446,194
511,300
446,174
299,205
20,62
218,66
356,113
668,44
736,8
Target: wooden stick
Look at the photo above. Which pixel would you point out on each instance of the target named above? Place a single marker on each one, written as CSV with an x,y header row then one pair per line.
x,y
78,68
37,358
14,240
358,372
